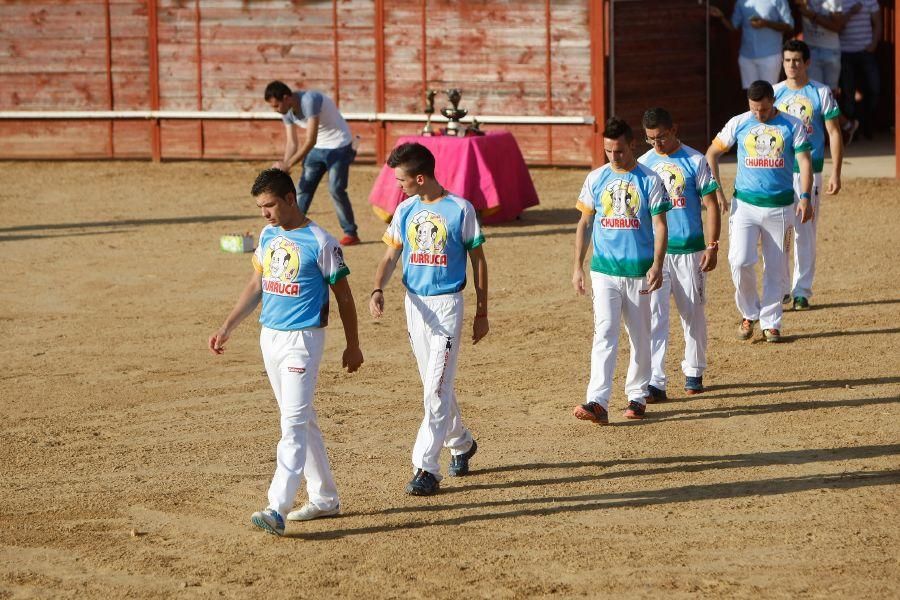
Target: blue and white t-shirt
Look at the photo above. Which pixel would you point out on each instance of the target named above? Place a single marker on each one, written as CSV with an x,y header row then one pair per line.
x,y
435,238
687,178
623,203
813,104
333,129
297,266
765,156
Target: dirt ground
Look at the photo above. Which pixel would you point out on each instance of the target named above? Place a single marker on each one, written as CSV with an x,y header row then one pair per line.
x,y
132,458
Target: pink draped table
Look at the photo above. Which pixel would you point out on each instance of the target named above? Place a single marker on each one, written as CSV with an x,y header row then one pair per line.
x,y
487,170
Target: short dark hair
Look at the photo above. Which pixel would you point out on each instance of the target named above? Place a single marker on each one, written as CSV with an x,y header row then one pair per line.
x,y
657,117
277,90
616,128
272,181
796,46
760,90
413,158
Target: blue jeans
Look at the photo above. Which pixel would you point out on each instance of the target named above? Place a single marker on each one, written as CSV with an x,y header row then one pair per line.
x,y
859,71
825,66
337,162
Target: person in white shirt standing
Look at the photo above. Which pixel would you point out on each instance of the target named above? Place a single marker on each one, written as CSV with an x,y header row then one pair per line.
x,y
763,24
328,147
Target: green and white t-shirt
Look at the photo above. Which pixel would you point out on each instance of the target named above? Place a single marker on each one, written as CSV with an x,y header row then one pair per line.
x,y
766,156
623,203
687,178
813,104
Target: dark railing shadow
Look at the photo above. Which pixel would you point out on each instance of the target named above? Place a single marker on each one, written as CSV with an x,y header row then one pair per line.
x,y
705,462
694,414
593,502
541,216
531,232
528,224
849,304
36,236
843,333
128,223
766,388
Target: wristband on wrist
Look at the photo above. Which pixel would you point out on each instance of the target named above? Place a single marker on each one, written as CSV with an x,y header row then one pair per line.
x,y
375,291
713,245
805,195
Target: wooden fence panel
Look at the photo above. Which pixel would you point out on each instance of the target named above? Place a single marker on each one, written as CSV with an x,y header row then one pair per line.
x,y
219,55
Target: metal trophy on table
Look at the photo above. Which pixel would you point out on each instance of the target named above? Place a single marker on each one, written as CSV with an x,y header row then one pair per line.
x,y
429,110
454,113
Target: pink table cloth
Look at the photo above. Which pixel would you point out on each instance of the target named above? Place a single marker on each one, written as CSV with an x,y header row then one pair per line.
x,y
487,170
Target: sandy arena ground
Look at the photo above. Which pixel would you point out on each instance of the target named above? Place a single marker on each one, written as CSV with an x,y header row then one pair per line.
x,y
132,458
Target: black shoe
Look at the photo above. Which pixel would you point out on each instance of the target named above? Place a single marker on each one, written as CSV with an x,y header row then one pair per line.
x,y
656,394
423,484
459,464
635,410
592,412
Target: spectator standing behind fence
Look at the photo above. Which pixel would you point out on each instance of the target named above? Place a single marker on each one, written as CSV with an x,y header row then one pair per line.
x,y
822,22
328,147
762,24
859,67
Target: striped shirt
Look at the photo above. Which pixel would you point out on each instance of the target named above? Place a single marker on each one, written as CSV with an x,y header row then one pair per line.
x,y
857,34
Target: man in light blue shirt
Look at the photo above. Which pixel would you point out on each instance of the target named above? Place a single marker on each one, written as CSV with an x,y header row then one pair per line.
x,y
294,266
762,24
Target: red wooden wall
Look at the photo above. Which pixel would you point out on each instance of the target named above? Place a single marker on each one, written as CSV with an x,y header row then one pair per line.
x,y
659,59
512,57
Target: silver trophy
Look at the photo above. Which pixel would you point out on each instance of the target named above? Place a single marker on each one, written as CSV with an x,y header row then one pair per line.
x,y
454,113
429,110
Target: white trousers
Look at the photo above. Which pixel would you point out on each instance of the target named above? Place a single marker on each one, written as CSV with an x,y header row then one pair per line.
x,y
749,225
767,68
614,298
804,243
684,281
292,362
434,324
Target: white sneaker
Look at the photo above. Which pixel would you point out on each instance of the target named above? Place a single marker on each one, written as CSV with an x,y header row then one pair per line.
x,y
310,511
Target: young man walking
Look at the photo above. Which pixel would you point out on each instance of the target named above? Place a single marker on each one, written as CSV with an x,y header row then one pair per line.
x,y
769,143
689,254
433,231
812,103
623,212
293,267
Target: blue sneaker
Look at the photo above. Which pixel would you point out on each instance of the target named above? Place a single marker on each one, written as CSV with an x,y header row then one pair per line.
x,y
269,521
693,385
423,484
459,464
656,394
